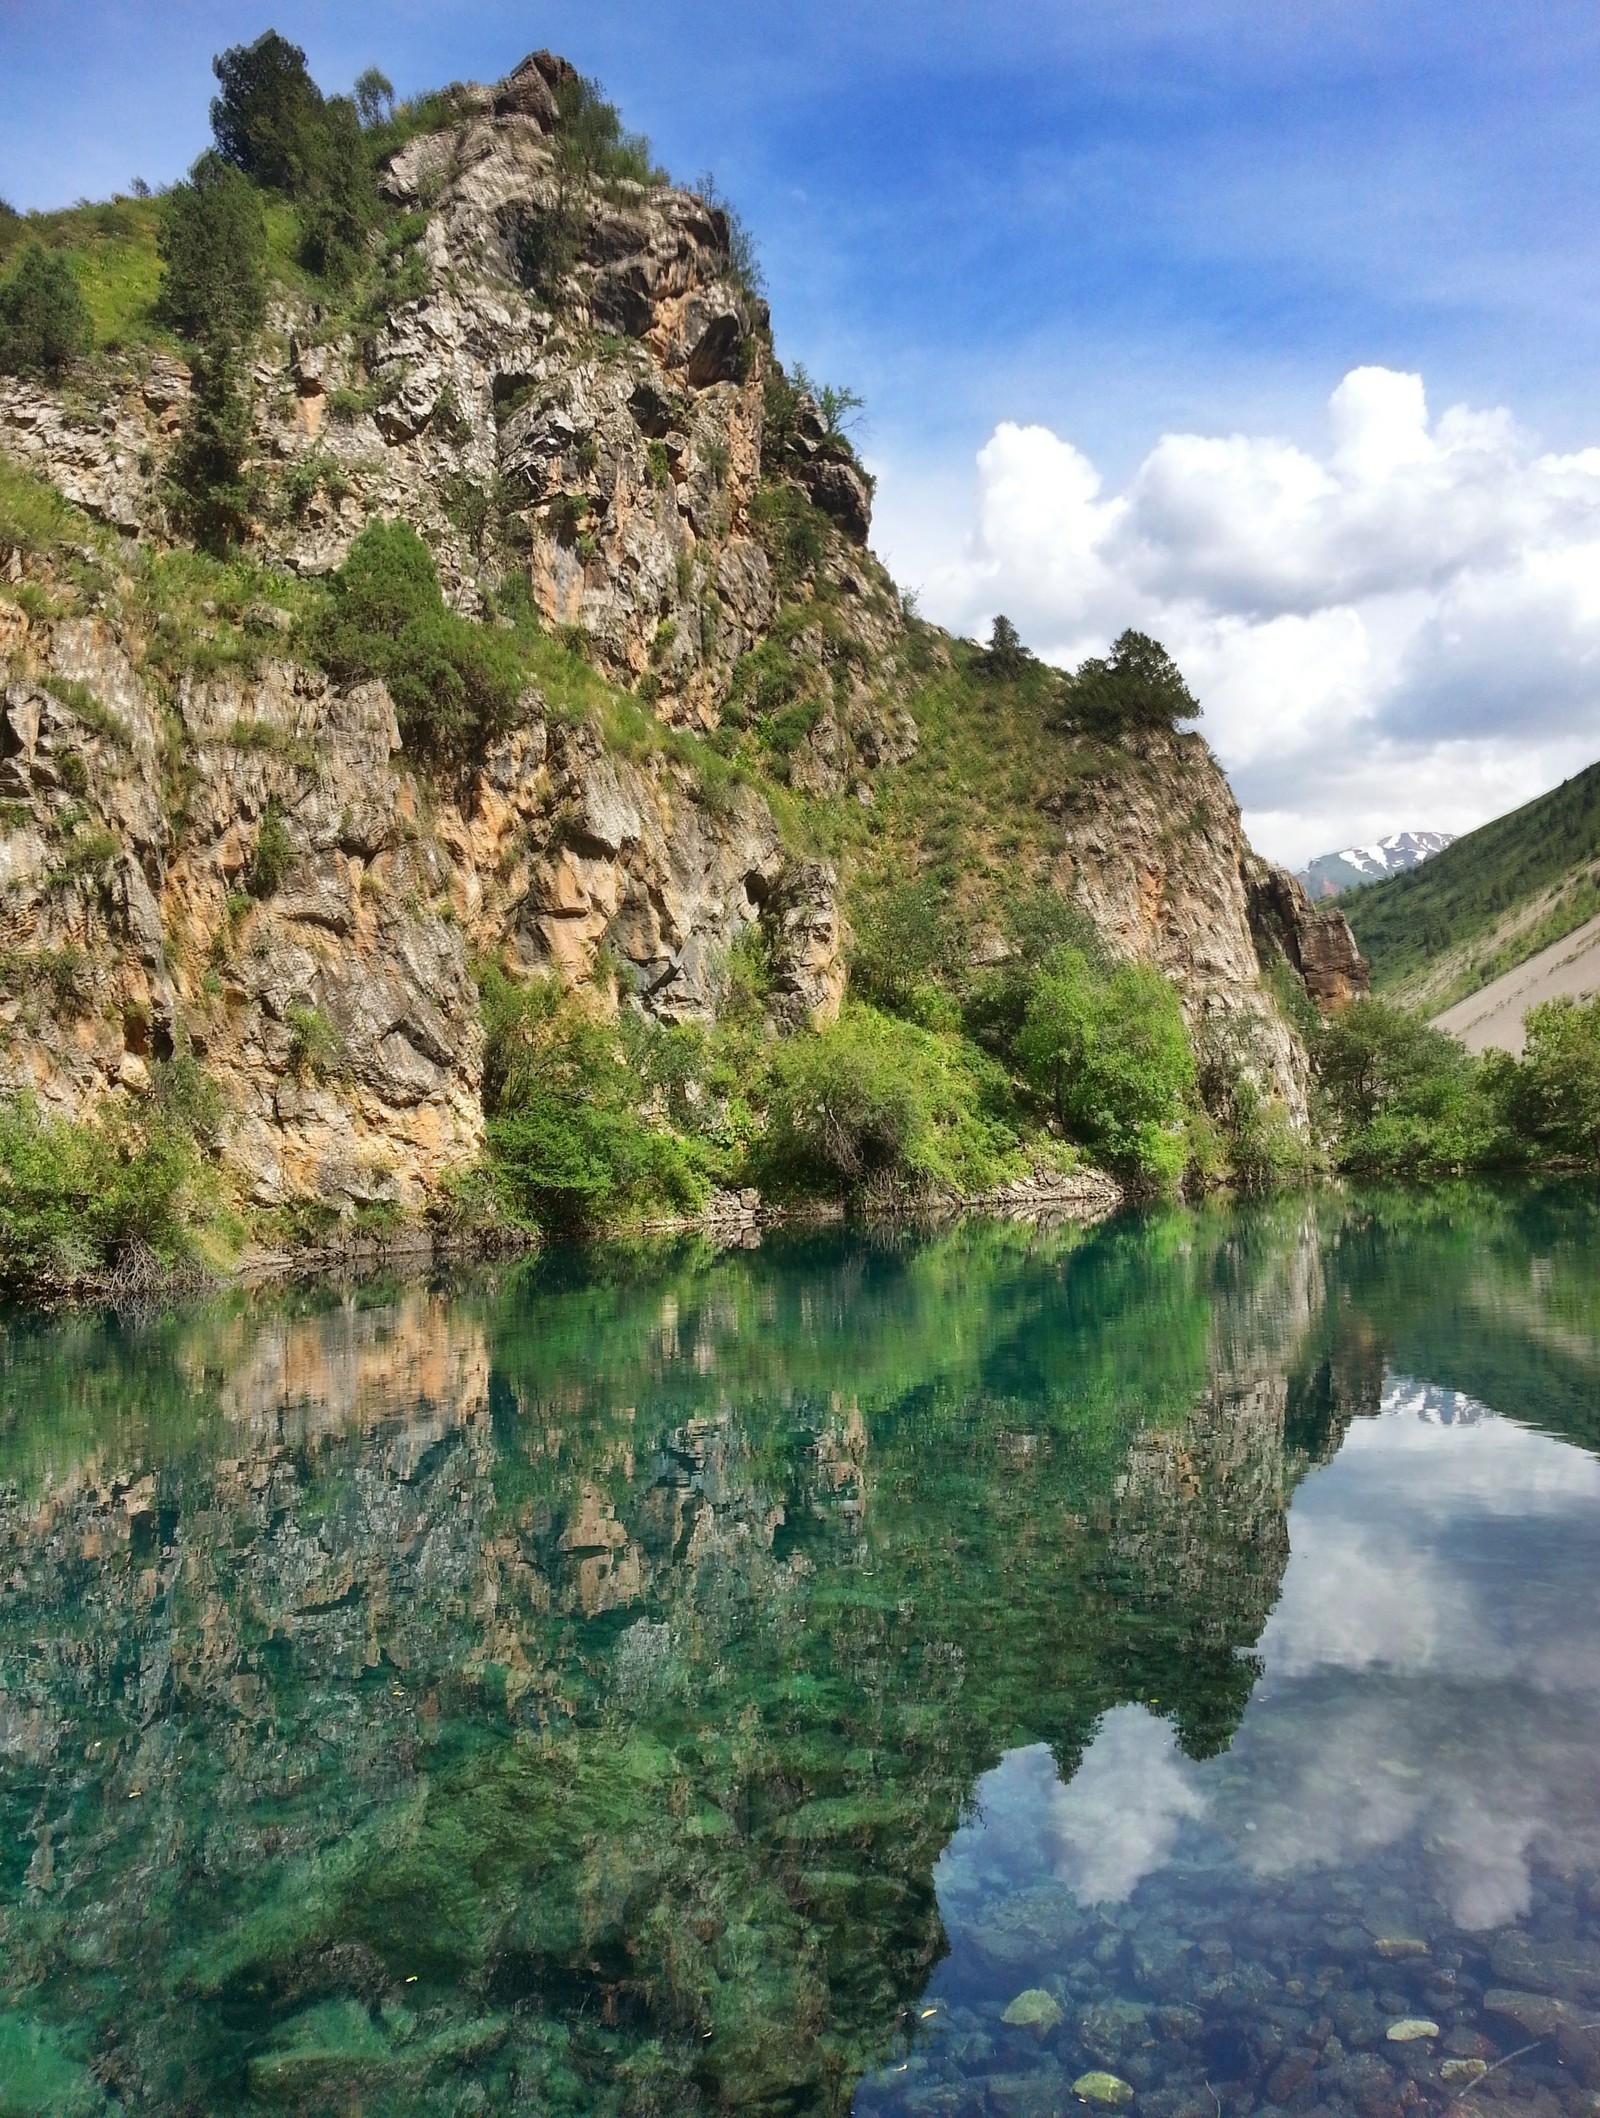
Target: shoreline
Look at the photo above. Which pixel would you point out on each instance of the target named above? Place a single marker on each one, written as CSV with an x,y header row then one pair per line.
x,y
730,1220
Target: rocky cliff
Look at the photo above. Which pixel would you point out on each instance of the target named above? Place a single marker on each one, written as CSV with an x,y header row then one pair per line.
x,y
596,422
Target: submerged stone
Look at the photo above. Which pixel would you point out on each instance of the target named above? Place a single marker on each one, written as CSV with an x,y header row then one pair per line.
x,y
1109,2091
1463,2070
1546,1967
1411,2029
1034,2010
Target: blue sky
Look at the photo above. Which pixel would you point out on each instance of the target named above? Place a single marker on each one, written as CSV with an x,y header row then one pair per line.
x,y
1098,224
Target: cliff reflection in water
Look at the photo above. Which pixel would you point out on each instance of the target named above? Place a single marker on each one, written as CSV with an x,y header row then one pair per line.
x,y
567,1690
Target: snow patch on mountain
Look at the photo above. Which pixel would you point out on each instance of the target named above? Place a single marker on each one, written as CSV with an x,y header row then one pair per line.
x,y
1351,866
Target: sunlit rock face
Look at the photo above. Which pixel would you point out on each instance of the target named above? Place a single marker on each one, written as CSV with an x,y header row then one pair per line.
x,y
590,424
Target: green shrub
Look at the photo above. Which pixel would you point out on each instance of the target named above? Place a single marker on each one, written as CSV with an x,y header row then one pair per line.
x,y
210,493
213,245
343,207
791,531
909,950
87,851
1402,1098
187,1100
455,685
268,118
1110,1055
273,855
315,1046
82,1203
44,320
1241,1133
875,1106
568,1144
274,124
1005,656
593,137
744,262
1550,1103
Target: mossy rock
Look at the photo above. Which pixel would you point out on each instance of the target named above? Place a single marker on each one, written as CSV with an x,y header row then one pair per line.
x,y
1108,2092
1034,2010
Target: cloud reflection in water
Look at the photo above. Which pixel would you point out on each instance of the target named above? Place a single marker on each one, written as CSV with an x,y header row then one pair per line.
x,y
1432,1671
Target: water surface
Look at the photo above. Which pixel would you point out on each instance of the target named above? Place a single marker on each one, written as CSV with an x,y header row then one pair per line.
x,y
741,1681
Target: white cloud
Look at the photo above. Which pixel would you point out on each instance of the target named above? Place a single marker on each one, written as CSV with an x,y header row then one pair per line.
x,y
1401,629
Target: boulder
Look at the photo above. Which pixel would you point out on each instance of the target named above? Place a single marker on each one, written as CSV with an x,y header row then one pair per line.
x,y
1108,2092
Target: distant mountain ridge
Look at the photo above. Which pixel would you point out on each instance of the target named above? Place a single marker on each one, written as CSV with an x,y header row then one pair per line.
x,y
1331,873
1490,902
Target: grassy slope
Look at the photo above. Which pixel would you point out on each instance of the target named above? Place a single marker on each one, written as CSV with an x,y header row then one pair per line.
x,y
1487,903
112,249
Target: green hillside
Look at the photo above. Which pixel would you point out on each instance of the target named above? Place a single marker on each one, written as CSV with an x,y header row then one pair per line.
x,y
1487,903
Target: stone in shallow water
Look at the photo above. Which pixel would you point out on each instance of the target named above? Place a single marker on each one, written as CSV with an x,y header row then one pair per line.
x,y
1032,2095
1031,1927
1548,1967
1534,2012
1110,2029
1109,2091
1034,2010
1411,2029
1463,2070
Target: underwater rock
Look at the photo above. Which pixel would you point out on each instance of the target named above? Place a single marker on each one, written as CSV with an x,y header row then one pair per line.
x,y
1108,2091
1546,1967
1411,2029
1292,2073
1034,2010
1033,2095
1112,2028
1031,1927
1463,2043
1463,2070
1533,2012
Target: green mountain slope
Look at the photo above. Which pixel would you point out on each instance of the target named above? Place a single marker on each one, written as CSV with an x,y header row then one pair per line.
x,y
1487,903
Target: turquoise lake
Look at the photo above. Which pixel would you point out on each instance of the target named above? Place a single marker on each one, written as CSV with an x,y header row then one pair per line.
x,y
988,1670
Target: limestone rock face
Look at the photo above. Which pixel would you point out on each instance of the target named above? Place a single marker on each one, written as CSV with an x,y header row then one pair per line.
x,y
102,461
335,1012
1156,855
563,852
334,1006
570,387
1315,940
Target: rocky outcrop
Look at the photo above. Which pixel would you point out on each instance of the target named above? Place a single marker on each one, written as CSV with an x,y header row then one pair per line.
x,y
1314,940
568,395
331,998
332,1002
1155,854
563,851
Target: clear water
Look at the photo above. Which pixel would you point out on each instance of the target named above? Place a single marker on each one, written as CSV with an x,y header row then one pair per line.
x,y
695,1682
